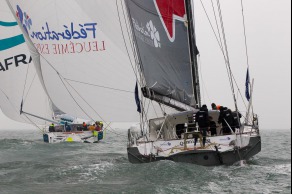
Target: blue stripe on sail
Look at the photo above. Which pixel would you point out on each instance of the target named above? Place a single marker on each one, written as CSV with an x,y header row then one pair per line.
x,y
8,24
11,42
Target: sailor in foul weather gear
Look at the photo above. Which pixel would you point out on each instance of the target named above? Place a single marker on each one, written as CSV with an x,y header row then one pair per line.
x,y
202,119
52,128
67,127
236,116
213,127
214,106
227,120
84,125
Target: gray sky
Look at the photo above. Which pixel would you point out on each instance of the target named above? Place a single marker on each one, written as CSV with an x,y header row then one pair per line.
x,y
268,25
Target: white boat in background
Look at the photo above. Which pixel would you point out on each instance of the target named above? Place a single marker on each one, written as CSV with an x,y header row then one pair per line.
x,y
77,132
22,95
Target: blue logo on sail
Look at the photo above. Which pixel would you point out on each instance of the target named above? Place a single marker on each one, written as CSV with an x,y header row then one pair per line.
x,y
69,32
8,43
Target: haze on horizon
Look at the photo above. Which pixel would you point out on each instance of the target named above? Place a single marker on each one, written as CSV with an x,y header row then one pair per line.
x,y
268,25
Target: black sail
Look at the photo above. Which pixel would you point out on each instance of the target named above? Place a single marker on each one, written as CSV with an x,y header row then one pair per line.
x,y
162,36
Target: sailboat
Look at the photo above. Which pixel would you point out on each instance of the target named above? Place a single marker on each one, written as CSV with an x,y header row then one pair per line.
x,y
83,57
22,95
164,36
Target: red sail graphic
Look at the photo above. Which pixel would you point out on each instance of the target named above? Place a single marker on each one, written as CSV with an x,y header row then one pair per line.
x,y
169,11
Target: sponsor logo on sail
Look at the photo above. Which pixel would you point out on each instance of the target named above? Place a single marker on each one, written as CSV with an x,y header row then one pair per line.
x,y
11,42
77,35
147,33
14,61
170,11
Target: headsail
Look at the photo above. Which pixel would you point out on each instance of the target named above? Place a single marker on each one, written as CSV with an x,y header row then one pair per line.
x,y
167,59
18,78
81,55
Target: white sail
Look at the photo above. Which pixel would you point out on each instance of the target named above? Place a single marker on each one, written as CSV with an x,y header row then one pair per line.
x,y
18,77
80,50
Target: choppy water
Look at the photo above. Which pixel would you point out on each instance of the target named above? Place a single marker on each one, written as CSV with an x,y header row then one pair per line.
x,y
27,165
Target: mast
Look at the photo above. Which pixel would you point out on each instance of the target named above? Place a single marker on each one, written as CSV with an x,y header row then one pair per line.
x,y
193,52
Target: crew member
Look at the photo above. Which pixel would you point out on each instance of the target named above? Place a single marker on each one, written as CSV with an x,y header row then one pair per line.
x,y
213,127
202,119
214,106
52,128
84,125
67,127
226,119
97,126
91,127
236,116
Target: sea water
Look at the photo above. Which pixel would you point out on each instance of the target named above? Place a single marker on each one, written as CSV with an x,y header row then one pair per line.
x,y
28,165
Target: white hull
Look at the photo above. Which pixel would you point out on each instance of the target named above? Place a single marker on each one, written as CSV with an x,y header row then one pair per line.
x,y
80,137
234,147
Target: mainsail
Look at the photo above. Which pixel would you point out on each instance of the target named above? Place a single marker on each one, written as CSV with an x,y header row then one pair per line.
x,y
164,36
19,81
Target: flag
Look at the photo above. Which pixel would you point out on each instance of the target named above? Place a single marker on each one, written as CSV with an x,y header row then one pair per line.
x,y
247,84
138,102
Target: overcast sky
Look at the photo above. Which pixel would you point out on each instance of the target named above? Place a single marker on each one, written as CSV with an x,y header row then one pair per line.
x,y
268,25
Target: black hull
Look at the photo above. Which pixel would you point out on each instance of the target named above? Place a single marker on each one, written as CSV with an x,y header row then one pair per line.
x,y
203,158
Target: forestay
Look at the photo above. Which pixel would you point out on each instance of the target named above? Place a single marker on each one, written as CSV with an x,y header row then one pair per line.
x,y
18,78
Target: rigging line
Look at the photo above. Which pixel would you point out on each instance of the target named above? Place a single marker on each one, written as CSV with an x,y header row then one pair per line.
x,y
243,100
30,87
221,44
227,55
89,106
245,36
105,87
218,41
33,123
139,60
155,109
74,98
131,37
204,85
215,16
133,47
162,110
61,78
124,39
25,82
15,109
